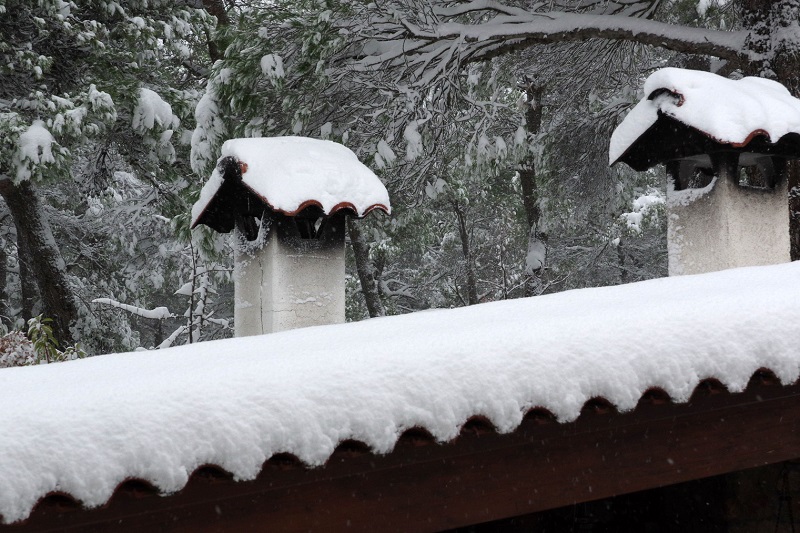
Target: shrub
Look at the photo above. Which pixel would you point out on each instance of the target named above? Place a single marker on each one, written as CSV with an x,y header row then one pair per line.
x,y
38,347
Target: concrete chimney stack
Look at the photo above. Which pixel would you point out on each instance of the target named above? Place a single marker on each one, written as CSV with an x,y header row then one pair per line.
x,y
286,199
725,143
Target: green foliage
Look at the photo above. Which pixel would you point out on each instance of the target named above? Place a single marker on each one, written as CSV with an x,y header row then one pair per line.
x,y
700,13
38,347
81,79
41,335
96,99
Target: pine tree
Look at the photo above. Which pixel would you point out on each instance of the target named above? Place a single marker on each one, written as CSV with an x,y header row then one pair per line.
x,y
84,92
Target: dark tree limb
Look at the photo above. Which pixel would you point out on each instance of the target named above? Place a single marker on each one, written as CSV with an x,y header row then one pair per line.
x,y
47,265
466,251
446,42
527,176
565,27
365,269
217,9
26,280
527,169
4,314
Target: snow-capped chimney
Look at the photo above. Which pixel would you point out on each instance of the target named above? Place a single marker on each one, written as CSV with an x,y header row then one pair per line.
x,y
286,198
725,144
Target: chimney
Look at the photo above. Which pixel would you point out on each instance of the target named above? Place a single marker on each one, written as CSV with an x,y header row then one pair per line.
x,y
286,199
725,144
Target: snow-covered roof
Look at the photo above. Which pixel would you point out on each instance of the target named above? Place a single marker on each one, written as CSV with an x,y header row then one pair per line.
x,y
83,427
291,173
728,112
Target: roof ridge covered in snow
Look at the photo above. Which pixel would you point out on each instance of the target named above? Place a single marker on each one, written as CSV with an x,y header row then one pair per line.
x,y
82,428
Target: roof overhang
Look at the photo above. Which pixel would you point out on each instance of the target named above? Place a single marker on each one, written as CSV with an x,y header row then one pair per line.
x,y
480,476
668,139
286,176
690,114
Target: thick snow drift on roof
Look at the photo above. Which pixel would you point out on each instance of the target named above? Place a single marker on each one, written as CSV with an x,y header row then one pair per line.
x,y
288,172
726,110
84,426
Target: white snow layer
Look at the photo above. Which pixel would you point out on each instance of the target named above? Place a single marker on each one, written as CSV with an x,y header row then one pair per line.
x,y
157,313
642,206
272,66
726,110
537,254
209,130
84,426
152,110
288,172
36,146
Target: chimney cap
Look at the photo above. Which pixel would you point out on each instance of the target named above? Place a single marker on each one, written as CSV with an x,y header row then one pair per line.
x,y
690,113
287,175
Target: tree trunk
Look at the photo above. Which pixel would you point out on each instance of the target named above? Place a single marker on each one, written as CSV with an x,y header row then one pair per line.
x,y
26,281
527,169
623,270
29,294
527,179
365,269
4,314
217,9
37,243
469,266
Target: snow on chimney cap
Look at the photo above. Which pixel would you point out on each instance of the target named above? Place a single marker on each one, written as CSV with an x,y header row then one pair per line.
x,y
716,113
289,174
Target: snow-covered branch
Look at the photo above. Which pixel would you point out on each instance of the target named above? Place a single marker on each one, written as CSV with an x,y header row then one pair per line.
x,y
159,313
420,48
559,27
171,339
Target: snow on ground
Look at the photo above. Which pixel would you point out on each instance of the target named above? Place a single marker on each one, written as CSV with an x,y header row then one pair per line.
x,y
727,110
290,171
82,427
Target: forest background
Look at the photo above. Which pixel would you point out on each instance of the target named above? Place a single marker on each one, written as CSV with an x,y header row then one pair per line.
x,y
488,121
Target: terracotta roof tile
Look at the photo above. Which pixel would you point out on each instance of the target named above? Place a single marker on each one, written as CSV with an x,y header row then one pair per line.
x,y
653,405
